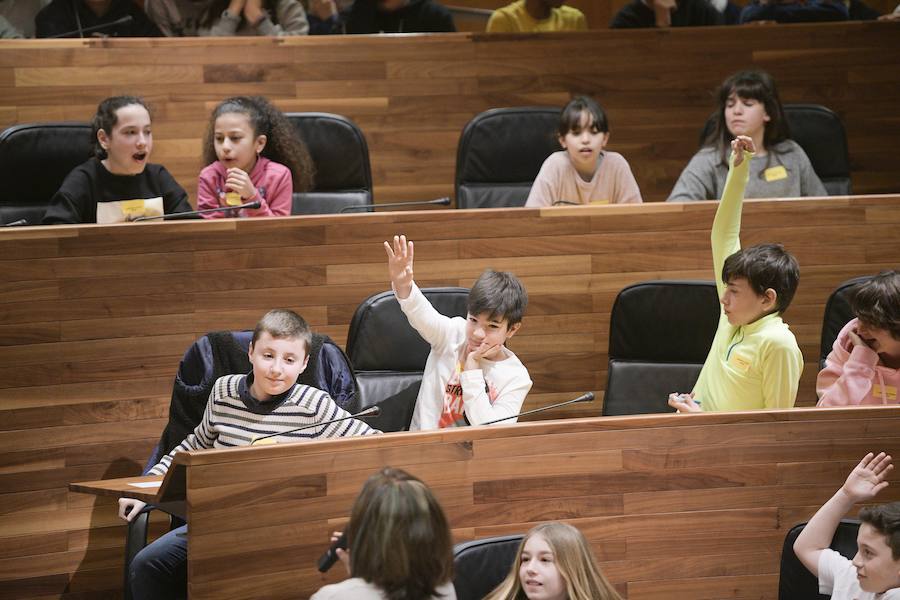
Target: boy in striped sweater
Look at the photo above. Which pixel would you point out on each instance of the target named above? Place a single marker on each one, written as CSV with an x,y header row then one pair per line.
x,y
242,408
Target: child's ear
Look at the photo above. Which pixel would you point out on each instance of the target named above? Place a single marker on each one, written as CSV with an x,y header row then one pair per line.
x,y
103,139
605,140
305,362
771,298
513,329
261,143
562,141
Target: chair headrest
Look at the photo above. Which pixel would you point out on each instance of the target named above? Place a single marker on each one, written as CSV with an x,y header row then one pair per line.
x,y
338,149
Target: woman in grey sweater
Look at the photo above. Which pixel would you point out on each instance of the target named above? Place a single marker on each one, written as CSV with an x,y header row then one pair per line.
x,y
748,104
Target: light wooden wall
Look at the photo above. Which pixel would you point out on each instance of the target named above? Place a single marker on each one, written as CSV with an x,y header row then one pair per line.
x,y
412,95
94,319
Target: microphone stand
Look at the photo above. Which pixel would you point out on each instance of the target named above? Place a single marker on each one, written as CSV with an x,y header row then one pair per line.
x,y
191,213
372,411
588,397
445,201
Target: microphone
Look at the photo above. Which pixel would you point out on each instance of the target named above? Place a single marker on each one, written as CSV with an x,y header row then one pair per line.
x,y
18,223
327,560
445,201
372,411
126,20
193,213
588,397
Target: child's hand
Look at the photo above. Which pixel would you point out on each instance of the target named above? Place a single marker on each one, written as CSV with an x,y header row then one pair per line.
x,y
343,555
324,9
400,265
684,403
253,11
129,508
868,477
485,350
739,145
238,181
856,340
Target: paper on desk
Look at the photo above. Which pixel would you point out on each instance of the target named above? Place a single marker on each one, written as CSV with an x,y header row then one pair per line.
x,y
146,484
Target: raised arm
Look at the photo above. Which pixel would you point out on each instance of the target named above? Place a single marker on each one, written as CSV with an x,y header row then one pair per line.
x,y
726,229
400,265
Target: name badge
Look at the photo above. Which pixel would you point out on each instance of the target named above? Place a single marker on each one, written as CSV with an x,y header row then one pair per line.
x,y
890,392
775,173
132,209
232,199
739,362
599,201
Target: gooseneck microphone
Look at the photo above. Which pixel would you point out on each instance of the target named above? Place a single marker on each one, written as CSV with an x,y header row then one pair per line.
x,y
194,213
445,201
588,397
82,30
372,411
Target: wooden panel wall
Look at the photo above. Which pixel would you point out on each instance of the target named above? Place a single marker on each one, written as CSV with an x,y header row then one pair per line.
x,y
674,506
412,95
94,319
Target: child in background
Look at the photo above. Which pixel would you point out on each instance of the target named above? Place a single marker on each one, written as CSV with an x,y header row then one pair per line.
x,y
555,562
242,408
754,361
874,573
583,173
470,376
118,184
864,366
185,18
254,155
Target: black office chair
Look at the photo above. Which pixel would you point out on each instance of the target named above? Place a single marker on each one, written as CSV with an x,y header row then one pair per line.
x,y
481,565
34,160
340,153
500,153
837,314
795,582
821,134
389,356
659,335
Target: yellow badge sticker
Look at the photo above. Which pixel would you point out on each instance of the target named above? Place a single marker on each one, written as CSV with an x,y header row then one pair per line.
x,y
232,199
890,392
599,201
739,362
776,173
132,209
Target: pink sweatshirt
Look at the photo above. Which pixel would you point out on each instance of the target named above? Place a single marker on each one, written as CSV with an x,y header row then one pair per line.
x,y
273,183
853,375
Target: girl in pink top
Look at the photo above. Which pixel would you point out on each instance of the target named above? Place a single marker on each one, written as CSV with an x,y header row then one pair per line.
x,y
253,155
864,366
583,172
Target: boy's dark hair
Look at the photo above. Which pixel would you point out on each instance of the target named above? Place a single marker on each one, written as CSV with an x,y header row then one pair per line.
x,y
283,145
500,294
885,518
570,118
283,324
877,302
105,118
765,266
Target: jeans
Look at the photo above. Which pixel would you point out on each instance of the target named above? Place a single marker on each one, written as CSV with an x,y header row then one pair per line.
x,y
159,571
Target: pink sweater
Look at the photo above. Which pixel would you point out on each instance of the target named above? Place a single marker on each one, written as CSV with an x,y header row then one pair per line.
x,y
273,183
853,375
559,182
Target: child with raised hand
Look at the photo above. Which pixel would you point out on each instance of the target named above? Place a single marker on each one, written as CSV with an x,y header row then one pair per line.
x,y
874,572
471,377
583,172
555,562
254,154
754,361
241,408
864,365
119,183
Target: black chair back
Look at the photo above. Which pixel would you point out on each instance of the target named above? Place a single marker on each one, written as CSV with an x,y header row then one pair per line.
x,y
659,335
34,160
389,356
500,153
820,132
341,156
837,314
481,565
795,582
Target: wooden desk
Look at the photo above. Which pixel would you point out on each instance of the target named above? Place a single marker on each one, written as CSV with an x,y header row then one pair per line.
x,y
674,506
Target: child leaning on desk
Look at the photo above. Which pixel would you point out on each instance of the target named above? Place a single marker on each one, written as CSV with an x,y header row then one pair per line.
x,y
754,361
471,377
242,408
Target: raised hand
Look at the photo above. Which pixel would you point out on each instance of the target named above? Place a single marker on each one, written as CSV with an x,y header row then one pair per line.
x,y
739,145
868,477
400,265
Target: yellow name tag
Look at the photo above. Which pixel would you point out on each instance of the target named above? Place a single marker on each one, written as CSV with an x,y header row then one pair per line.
x,y
599,201
890,392
232,199
739,362
776,173
132,208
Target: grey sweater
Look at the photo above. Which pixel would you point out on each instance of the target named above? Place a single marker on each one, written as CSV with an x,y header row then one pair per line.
x,y
790,175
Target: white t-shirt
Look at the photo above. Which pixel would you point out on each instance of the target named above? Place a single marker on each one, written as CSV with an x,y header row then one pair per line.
x,y
358,589
837,576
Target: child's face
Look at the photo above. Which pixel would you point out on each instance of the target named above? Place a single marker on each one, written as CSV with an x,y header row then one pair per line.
x,y
129,144
235,143
876,569
879,340
584,145
742,304
482,329
538,573
745,116
277,363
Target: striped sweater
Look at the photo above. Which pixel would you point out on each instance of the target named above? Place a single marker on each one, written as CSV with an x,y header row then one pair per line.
x,y
234,418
